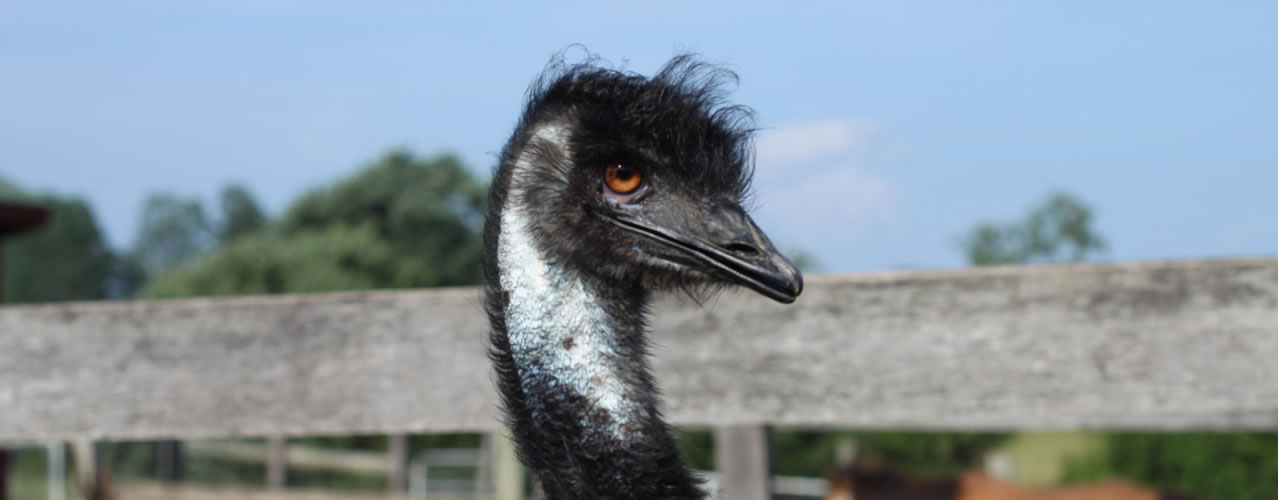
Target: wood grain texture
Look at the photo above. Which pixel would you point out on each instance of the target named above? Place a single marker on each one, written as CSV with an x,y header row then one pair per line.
x,y
1165,345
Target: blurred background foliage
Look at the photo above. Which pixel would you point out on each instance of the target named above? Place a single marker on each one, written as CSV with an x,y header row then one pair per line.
x,y
400,222
406,221
1212,465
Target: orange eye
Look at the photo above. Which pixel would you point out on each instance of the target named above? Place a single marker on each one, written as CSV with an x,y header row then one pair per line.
x,y
622,179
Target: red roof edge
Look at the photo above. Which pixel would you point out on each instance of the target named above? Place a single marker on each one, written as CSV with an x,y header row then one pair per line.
x,y
18,217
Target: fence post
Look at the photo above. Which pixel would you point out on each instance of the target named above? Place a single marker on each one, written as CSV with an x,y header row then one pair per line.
x,y
508,473
484,466
4,474
745,471
84,457
845,452
168,461
57,470
276,462
397,463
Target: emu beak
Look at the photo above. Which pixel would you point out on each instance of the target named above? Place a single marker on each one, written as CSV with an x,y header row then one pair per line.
x,y
727,240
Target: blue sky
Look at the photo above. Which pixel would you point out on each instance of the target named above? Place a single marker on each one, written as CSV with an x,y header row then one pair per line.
x,y
890,128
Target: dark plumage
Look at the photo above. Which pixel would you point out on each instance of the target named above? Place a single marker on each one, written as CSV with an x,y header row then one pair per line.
x,y
613,186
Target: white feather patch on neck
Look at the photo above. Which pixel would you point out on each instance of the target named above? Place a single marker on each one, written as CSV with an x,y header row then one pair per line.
x,y
557,327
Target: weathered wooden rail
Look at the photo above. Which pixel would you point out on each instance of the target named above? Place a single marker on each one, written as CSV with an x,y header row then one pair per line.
x,y
1161,345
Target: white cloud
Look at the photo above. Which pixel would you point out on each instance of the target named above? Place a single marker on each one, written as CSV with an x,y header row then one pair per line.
x,y
847,199
820,187
803,143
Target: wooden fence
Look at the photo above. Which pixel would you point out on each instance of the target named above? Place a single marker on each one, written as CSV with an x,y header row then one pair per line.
x,y
1160,345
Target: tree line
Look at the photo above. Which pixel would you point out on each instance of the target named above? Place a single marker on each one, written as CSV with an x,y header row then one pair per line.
x,y
401,221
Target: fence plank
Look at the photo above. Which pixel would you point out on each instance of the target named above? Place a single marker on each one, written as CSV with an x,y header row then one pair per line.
x,y
1167,345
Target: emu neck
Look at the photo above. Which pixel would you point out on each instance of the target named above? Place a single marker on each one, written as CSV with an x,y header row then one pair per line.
x,y
569,351
564,340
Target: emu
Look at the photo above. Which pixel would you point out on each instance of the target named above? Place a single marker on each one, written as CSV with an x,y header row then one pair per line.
x,y
613,187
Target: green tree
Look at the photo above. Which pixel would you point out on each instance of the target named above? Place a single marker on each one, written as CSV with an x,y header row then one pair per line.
x,y
241,214
1211,466
335,258
11,192
172,231
1058,230
805,261
66,259
400,222
430,208
811,453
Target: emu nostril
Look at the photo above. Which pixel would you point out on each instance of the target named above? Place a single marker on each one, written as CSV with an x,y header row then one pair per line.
x,y
742,249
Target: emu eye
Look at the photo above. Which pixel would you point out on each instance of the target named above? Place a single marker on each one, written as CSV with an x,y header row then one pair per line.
x,y
621,179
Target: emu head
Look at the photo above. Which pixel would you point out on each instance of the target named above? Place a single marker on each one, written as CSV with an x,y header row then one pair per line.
x,y
643,180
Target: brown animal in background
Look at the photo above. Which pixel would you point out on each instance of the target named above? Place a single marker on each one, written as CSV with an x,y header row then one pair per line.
x,y
99,487
864,482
